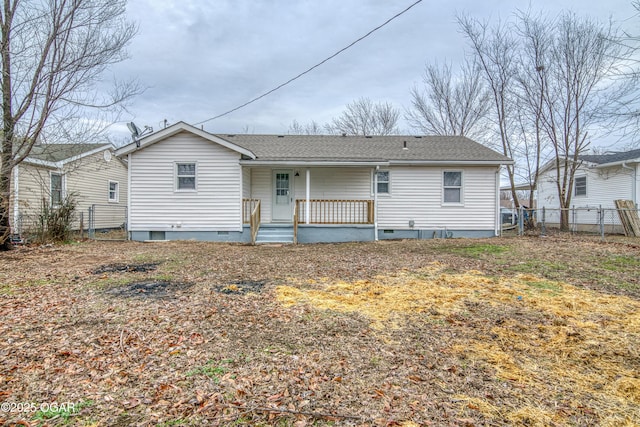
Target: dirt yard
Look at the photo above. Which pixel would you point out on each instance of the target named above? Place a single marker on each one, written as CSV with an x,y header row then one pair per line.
x,y
499,332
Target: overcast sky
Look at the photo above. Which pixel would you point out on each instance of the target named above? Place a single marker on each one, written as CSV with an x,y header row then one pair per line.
x,y
200,58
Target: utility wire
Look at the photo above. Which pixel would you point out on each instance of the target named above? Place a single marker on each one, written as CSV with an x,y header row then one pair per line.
x,y
312,68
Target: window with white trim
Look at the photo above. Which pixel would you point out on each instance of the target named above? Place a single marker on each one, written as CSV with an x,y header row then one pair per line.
x,y
383,178
452,187
580,186
185,176
113,191
56,189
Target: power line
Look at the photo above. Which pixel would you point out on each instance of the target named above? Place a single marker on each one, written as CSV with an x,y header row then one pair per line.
x,y
312,68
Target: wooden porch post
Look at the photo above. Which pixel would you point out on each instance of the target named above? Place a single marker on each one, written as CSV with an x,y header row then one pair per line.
x,y
375,203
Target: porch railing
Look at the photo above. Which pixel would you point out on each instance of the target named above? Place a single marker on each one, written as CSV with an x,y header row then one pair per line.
x,y
248,205
335,211
255,222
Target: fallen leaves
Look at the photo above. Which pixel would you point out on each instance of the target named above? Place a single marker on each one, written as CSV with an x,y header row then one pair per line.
x,y
67,334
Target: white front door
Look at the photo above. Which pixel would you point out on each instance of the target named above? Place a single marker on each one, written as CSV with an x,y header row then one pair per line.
x,y
282,196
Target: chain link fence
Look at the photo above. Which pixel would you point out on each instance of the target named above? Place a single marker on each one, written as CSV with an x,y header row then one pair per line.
x,y
107,222
579,220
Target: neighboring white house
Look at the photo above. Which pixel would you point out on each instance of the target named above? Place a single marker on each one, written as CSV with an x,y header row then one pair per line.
x,y
598,181
89,172
185,183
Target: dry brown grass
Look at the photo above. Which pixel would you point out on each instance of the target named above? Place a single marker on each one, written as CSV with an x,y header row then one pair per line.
x,y
574,338
458,332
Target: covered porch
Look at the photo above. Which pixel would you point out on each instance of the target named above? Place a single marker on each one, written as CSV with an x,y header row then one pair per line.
x,y
320,200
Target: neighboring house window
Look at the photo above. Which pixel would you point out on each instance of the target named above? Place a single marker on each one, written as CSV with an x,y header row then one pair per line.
x,y
580,186
383,182
56,189
186,176
113,191
452,185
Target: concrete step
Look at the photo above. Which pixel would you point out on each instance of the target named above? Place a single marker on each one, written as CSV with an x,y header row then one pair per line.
x,y
275,235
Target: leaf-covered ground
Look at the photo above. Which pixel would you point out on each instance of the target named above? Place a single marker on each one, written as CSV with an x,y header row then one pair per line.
x,y
514,331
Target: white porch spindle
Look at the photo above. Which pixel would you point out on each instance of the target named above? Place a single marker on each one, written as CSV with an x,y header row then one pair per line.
x,y
308,197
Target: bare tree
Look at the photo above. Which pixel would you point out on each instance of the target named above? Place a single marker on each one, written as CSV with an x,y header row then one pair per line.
x,y
496,52
53,54
450,106
535,38
583,57
311,128
364,117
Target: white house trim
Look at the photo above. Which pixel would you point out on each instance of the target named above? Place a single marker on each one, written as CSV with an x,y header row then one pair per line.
x,y
175,129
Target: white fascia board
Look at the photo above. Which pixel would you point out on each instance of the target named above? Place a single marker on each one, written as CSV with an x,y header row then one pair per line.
x,y
52,165
175,129
450,162
298,163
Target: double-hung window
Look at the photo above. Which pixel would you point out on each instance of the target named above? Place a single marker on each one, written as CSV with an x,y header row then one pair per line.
x,y
580,186
113,191
452,187
383,179
185,176
56,189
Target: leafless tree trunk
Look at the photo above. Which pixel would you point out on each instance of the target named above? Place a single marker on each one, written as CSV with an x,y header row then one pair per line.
x,y
53,55
496,53
536,39
364,117
583,58
448,105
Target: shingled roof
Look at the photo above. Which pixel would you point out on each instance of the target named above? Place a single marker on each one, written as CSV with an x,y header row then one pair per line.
x,y
319,148
60,152
612,157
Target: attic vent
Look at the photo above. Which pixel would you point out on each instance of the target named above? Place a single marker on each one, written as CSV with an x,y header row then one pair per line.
x,y
368,136
344,134
230,136
417,136
404,145
280,136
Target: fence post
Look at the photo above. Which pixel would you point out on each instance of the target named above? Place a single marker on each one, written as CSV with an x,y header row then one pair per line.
x,y
91,230
520,221
601,213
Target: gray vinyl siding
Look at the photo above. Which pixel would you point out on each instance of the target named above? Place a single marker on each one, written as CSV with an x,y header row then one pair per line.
x,y
216,204
416,194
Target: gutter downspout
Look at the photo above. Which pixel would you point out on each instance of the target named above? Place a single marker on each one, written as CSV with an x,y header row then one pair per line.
x,y
634,182
375,203
129,196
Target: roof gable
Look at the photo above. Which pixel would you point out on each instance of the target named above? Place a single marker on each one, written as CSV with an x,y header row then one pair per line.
x,y
336,148
57,155
174,129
